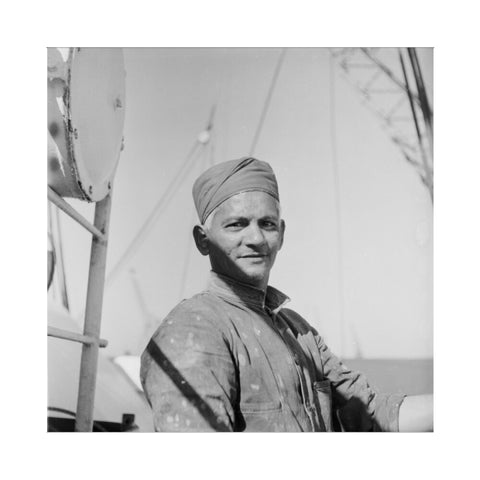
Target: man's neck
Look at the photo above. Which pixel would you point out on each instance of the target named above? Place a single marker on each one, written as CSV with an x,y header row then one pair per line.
x,y
257,286
232,289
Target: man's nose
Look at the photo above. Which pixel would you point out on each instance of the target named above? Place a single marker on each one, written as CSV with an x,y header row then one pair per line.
x,y
254,235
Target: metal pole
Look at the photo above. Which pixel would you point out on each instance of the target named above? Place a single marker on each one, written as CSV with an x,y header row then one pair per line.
x,y
422,93
93,317
55,198
426,167
74,337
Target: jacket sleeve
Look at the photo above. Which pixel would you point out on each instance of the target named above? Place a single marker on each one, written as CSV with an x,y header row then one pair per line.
x,y
188,374
357,406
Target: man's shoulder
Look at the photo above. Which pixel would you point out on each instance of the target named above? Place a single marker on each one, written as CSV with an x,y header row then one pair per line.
x,y
203,302
202,308
190,331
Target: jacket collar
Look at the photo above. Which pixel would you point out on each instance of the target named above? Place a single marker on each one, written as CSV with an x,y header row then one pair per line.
x,y
272,300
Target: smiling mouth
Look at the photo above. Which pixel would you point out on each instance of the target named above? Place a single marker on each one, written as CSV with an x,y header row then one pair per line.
x,y
253,255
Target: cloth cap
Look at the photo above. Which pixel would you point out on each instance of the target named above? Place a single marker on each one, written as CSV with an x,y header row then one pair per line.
x,y
226,179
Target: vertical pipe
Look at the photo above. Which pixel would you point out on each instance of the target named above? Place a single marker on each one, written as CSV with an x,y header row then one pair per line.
x,y
93,317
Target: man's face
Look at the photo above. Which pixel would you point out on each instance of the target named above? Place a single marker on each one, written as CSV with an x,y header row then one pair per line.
x,y
244,237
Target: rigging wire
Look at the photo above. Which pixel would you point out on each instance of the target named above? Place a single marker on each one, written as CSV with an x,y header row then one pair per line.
x,y
208,161
183,280
149,319
427,172
338,209
422,93
211,133
410,99
226,96
161,204
267,101
212,150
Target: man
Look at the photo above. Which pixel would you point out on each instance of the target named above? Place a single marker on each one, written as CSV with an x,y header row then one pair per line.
x,y
234,358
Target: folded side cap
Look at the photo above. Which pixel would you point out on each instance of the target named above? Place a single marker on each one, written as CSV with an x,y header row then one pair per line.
x,y
229,178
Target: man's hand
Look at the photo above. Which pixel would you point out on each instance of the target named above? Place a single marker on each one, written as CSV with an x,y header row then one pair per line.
x,y
416,414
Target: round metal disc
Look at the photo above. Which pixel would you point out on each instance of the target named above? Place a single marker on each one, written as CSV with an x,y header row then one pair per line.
x,y
88,122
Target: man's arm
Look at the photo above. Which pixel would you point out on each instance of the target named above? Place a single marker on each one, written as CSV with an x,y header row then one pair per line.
x,y
188,375
416,414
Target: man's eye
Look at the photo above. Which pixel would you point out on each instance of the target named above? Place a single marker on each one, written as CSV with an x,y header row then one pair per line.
x,y
269,225
235,225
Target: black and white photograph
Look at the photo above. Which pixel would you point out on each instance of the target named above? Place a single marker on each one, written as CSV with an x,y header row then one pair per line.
x,y
261,226
240,239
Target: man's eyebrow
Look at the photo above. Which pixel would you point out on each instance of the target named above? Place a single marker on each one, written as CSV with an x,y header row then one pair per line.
x,y
242,218
234,218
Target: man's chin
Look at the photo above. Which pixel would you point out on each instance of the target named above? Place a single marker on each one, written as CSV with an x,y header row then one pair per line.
x,y
255,277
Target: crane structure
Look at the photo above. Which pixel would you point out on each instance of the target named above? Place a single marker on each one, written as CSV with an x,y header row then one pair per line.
x,y
394,90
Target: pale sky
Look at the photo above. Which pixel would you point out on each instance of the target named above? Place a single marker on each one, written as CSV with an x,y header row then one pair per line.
x,y
385,210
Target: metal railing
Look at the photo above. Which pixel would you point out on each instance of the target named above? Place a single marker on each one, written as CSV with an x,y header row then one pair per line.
x,y
90,340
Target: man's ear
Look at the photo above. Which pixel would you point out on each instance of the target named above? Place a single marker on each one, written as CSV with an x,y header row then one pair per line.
x,y
282,233
201,239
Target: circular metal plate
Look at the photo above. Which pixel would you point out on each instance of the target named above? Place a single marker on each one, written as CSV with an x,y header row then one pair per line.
x,y
86,118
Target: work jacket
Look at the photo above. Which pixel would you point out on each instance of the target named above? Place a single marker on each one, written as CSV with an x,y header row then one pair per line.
x,y
233,358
